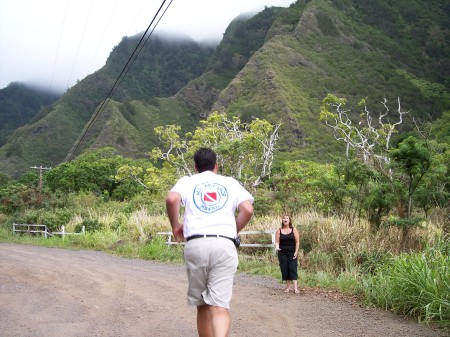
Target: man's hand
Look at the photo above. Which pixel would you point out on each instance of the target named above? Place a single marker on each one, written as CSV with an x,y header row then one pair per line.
x,y
178,233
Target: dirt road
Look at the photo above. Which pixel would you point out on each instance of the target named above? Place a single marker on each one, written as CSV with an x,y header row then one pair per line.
x,y
47,292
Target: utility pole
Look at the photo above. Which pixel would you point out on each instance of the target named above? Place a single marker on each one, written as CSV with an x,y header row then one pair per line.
x,y
41,169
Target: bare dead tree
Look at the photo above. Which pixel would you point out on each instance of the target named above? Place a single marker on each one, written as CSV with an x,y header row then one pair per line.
x,y
371,137
268,144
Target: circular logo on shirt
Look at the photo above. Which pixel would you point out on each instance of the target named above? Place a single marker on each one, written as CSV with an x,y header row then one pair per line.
x,y
210,197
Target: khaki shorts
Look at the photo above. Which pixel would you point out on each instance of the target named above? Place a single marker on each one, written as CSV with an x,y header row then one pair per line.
x,y
210,265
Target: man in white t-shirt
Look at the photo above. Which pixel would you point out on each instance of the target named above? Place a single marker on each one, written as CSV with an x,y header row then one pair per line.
x,y
210,227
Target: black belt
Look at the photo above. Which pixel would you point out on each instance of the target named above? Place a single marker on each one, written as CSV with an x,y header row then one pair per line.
x,y
198,236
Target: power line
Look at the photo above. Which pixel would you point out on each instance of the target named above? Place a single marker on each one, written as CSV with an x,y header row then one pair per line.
x,y
119,79
79,44
113,9
59,43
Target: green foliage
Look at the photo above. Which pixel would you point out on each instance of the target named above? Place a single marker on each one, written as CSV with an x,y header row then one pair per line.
x,y
15,197
441,128
230,138
431,91
19,105
158,250
403,223
326,24
93,172
243,37
380,178
379,200
4,180
370,261
30,179
307,185
52,218
259,264
415,284
411,160
411,27
91,225
276,65
163,67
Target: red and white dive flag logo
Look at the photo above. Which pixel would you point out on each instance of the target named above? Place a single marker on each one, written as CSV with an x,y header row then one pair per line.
x,y
210,197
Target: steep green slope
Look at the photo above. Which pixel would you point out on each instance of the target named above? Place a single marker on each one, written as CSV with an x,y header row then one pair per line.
x,y
128,127
162,68
277,65
243,37
329,51
19,105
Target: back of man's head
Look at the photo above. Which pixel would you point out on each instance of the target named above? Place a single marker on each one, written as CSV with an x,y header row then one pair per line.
x,y
205,159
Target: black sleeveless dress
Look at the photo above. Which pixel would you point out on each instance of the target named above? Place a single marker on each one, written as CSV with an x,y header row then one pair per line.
x,y
288,265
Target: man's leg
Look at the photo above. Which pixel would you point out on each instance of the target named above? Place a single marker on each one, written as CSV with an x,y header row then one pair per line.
x,y
213,321
204,322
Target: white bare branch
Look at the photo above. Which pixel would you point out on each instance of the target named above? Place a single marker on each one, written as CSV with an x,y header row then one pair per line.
x,y
366,137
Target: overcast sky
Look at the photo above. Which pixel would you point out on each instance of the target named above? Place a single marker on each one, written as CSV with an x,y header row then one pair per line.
x,y
55,43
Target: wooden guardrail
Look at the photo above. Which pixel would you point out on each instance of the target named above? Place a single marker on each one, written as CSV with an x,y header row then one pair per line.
x,y
172,241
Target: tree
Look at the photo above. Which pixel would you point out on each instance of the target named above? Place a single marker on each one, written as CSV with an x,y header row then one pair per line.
x,y
307,185
4,179
401,175
245,150
147,176
411,161
94,172
371,138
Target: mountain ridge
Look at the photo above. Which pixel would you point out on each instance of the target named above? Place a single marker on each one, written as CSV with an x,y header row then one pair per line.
x,y
277,65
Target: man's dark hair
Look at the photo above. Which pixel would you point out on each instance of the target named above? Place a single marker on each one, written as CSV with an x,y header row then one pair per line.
x,y
205,159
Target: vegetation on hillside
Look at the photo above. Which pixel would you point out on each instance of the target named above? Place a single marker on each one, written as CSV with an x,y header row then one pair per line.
x,y
352,219
276,65
19,105
300,124
50,137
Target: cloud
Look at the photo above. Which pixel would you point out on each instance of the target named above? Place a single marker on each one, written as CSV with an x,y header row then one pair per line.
x,y
55,43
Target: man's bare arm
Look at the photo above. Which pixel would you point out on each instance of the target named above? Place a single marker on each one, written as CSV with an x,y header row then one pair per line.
x,y
245,213
173,202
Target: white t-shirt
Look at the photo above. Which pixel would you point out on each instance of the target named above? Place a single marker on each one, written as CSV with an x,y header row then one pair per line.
x,y
210,201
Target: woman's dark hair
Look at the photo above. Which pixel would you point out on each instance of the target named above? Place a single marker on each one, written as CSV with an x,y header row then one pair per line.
x,y
290,221
205,159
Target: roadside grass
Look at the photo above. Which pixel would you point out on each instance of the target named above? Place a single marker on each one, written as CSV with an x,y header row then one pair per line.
x,y
415,284
334,255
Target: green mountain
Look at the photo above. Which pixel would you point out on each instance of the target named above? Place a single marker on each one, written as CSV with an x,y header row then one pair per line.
x,y
19,105
277,65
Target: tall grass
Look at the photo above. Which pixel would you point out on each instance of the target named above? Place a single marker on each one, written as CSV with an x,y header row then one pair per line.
x,y
416,284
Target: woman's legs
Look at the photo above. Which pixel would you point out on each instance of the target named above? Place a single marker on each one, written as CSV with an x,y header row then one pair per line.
x,y
284,268
288,286
293,272
295,286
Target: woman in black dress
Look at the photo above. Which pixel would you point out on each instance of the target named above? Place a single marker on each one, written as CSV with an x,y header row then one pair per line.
x,y
287,241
